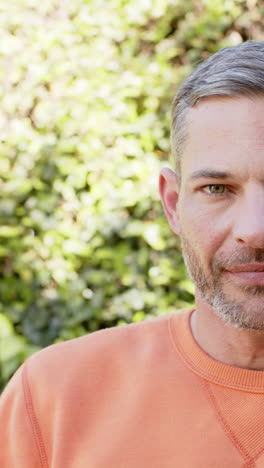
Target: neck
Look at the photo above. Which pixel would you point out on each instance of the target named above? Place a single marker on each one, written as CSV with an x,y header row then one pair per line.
x,y
227,344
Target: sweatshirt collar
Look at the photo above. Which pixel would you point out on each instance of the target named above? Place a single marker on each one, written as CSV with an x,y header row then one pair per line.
x,y
204,365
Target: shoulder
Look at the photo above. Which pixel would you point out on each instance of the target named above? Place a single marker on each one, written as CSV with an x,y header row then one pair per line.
x,y
101,340
109,352
67,384
97,362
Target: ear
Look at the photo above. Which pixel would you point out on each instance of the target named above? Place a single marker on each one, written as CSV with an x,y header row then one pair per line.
x,y
169,192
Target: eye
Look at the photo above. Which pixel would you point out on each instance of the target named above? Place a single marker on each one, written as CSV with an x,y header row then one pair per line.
x,y
216,189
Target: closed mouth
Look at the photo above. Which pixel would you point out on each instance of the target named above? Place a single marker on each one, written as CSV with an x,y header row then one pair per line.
x,y
250,267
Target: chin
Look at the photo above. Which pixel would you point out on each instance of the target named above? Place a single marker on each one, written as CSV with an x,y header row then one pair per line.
x,y
245,313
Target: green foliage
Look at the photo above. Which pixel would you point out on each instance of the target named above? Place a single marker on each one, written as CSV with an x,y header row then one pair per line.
x,y
85,102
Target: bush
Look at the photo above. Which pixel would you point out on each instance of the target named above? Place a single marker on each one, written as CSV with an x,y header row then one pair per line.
x,y
85,105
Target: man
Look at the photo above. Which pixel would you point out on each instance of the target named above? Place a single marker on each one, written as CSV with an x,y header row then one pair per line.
x,y
185,390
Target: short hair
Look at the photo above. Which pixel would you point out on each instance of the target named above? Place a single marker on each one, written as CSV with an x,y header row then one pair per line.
x,y
232,71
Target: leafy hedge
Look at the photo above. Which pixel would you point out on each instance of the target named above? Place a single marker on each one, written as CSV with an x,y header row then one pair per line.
x,y
85,102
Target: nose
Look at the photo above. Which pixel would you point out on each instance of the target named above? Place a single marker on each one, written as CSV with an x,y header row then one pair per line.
x,y
249,228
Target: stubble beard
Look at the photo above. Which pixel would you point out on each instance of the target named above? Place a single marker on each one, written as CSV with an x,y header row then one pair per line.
x,y
239,313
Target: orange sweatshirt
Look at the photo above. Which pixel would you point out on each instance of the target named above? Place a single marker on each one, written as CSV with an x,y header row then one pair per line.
x,y
139,396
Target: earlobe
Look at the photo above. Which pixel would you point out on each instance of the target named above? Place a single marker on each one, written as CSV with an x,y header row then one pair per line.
x,y
169,192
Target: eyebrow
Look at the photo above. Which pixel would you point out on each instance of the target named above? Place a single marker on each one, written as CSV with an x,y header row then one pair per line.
x,y
211,174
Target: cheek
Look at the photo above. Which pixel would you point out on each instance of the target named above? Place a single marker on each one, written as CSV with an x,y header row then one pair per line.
x,y
193,221
203,232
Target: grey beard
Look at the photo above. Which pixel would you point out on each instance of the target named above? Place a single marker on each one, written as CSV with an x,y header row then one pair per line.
x,y
237,313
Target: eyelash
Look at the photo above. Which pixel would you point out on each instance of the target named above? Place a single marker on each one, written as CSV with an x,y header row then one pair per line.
x,y
215,185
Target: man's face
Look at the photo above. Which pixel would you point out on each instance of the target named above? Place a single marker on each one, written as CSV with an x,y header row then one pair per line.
x,y
218,211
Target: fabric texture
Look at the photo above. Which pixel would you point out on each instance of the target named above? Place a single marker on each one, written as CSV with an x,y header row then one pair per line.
x,y
137,396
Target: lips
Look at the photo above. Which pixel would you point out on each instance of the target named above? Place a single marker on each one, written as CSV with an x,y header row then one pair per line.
x,y
251,267
250,274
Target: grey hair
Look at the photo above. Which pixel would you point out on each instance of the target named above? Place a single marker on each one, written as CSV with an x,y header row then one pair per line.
x,y
232,71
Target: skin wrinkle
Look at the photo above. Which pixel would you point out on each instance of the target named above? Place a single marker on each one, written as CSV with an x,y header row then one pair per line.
x,y
211,285
224,135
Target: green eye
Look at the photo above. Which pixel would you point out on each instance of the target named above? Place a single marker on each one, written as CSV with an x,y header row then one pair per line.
x,y
216,189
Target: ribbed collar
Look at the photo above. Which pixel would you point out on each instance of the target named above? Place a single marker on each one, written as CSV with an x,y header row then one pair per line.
x,y
205,366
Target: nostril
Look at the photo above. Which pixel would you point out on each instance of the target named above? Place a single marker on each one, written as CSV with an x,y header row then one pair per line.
x,y
255,241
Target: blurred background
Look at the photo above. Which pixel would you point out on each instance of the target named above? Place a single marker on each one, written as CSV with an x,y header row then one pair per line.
x,y
86,88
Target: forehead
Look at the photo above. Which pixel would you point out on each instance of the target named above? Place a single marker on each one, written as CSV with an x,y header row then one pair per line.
x,y
225,132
